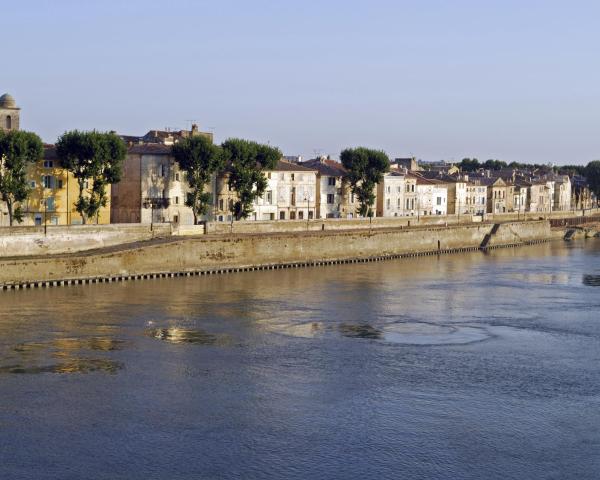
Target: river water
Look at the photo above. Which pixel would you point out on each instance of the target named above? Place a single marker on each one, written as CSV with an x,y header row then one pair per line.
x,y
467,366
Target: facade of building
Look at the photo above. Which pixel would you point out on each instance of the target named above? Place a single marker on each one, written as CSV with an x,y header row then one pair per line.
x,y
296,191
476,198
152,189
390,195
53,194
334,195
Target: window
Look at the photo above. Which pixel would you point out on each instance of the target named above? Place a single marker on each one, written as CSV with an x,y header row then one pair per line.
x,y
292,215
310,215
48,181
398,202
176,200
293,197
48,164
293,175
162,170
330,198
281,215
176,218
439,200
177,177
388,189
269,175
269,197
60,183
331,181
300,215
50,204
221,204
282,176
8,122
398,189
32,184
387,204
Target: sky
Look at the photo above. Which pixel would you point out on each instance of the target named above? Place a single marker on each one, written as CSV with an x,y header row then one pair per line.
x,y
509,80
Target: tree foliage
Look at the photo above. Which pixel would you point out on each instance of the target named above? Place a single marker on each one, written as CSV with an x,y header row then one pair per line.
x,y
94,157
199,158
592,173
18,149
365,169
247,162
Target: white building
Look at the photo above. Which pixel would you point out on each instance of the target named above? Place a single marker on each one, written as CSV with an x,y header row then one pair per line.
x,y
390,195
296,191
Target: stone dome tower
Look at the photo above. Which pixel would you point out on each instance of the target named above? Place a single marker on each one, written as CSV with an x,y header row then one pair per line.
x,y
9,113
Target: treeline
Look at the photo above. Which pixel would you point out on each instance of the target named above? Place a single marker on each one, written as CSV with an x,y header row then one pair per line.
x,y
472,165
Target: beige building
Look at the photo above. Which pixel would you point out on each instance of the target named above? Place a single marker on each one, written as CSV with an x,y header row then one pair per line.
x,y
334,195
152,188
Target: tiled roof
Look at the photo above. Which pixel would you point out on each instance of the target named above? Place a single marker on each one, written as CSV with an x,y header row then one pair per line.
x,y
326,167
283,166
150,149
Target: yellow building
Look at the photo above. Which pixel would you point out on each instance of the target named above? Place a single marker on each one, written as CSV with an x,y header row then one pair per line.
x,y
54,192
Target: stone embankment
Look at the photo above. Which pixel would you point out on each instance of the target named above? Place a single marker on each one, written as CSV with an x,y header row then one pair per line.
x,y
209,254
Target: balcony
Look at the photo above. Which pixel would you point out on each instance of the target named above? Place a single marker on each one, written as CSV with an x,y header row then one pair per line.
x,y
156,202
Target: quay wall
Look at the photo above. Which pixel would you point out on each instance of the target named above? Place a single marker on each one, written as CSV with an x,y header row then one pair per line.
x,y
189,255
26,241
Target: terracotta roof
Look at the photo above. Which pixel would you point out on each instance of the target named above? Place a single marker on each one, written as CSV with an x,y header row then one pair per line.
x,y
283,166
326,167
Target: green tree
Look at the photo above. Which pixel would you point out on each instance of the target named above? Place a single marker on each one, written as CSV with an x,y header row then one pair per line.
x,y
365,169
18,149
199,158
592,173
247,162
94,157
469,164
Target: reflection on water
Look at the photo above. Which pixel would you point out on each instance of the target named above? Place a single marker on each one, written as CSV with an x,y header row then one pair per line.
x,y
184,335
359,331
32,357
591,280
420,333
70,365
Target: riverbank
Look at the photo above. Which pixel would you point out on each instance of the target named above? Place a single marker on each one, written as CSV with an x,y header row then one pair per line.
x,y
210,254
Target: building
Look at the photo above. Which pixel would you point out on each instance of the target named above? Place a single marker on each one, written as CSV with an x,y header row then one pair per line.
x,y
539,198
152,188
476,198
296,191
334,196
9,113
390,195
562,193
54,192
165,137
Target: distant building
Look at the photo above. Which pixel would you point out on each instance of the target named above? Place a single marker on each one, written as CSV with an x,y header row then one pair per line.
x,y
409,164
9,113
165,137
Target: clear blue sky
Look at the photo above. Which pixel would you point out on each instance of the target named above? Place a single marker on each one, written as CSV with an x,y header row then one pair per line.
x,y
514,80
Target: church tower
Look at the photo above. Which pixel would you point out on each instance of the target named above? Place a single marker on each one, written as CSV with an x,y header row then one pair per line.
x,y
9,113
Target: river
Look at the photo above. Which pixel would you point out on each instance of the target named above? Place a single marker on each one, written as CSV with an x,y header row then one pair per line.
x,y
466,366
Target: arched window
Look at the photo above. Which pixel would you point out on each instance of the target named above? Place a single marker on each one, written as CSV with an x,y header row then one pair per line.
x,y
8,122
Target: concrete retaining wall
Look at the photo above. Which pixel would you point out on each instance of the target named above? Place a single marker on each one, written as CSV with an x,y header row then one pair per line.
x,y
29,241
227,253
